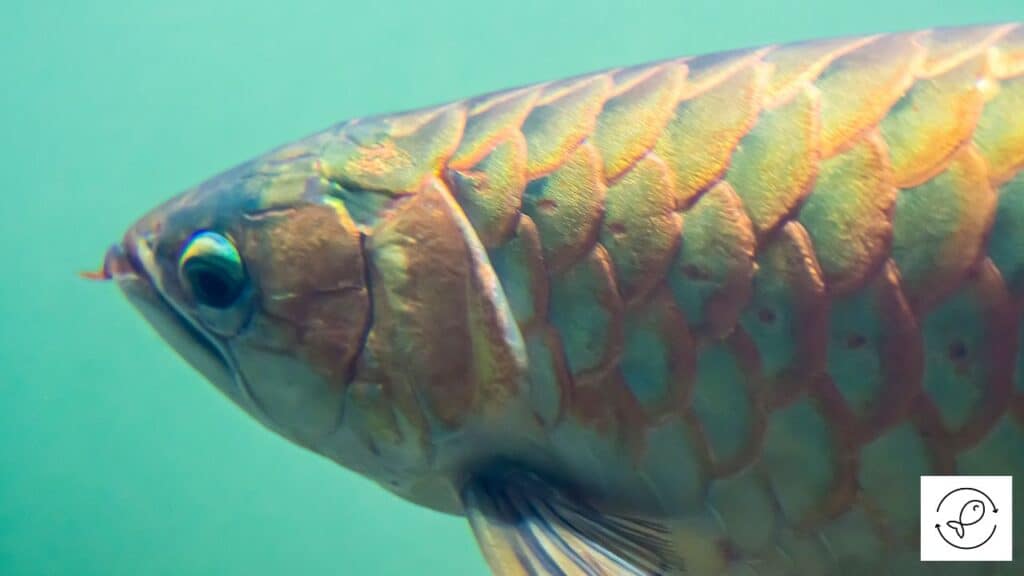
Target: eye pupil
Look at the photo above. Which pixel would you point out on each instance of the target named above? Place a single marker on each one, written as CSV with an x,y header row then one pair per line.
x,y
213,289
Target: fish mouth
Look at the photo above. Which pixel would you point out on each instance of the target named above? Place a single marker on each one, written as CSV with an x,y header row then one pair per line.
x,y
132,266
116,264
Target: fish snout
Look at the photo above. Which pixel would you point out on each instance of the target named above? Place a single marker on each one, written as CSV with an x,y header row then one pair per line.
x,y
118,263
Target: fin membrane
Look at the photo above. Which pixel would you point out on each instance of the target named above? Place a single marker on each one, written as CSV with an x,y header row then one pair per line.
x,y
525,526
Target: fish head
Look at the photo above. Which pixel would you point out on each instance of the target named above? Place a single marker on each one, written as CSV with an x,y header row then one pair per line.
x,y
334,291
256,278
972,512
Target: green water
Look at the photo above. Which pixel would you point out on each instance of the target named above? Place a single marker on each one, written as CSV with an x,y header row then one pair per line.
x,y
115,458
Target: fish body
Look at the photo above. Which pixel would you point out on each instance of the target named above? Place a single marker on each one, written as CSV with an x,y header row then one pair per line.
x,y
712,315
970,514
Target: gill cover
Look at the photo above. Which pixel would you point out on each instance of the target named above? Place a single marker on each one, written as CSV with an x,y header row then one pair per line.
x,y
444,348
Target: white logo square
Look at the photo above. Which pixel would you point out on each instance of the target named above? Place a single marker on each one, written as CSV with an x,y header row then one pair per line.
x,y
966,518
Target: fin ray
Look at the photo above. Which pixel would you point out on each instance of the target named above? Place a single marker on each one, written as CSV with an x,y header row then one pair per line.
x,y
525,526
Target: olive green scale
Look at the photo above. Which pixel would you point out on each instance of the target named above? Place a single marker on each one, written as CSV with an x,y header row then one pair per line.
x,y
773,286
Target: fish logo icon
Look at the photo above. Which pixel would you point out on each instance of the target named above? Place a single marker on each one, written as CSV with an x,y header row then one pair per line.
x,y
973,526
972,513
966,518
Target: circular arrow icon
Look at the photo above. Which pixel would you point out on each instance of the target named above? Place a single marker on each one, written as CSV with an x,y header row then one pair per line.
x,y
971,518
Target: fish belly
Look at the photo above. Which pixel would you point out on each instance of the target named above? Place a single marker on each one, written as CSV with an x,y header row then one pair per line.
x,y
763,292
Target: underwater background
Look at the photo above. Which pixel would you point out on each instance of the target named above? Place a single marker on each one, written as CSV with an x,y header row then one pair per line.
x,y
115,457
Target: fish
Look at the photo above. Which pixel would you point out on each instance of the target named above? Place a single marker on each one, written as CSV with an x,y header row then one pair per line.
x,y
970,514
712,315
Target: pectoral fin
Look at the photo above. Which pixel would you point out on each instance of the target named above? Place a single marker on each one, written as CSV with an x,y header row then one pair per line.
x,y
527,527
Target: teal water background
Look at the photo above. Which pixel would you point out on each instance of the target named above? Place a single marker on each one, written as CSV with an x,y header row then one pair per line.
x,y
117,459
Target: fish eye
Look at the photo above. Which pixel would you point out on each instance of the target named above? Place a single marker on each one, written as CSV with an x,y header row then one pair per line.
x,y
211,268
